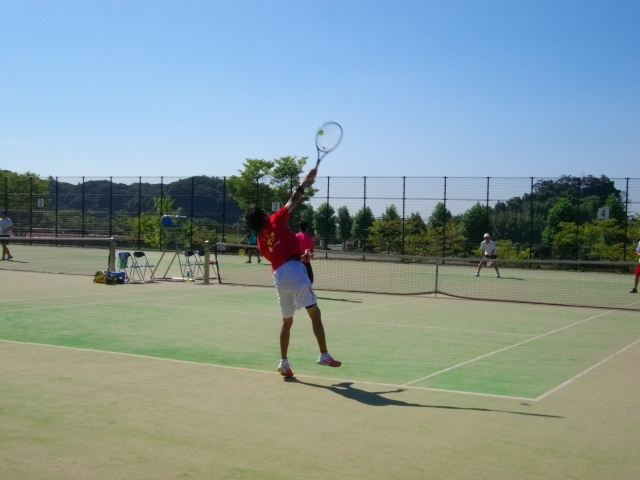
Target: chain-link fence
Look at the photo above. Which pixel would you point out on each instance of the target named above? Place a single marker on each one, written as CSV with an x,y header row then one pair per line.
x,y
578,218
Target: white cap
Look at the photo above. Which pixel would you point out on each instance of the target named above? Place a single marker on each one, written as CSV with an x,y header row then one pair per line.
x,y
487,235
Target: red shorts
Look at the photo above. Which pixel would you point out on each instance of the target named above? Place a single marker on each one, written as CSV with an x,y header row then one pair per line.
x,y
637,270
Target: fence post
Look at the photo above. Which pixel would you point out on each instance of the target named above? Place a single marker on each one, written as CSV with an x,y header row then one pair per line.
x,y
626,220
112,255
31,205
326,220
444,223
139,212
110,207
364,208
161,213
82,218
57,206
224,206
578,222
487,206
207,265
404,194
193,196
531,219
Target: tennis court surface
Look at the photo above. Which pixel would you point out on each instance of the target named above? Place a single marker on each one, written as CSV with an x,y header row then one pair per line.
x,y
177,380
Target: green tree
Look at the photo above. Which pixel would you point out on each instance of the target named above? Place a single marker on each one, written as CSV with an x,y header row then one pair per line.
x,y
386,236
437,242
264,182
600,240
414,224
390,214
20,191
324,222
474,225
616,208
345,225
362,222
562,211
439,217
247,188
508,249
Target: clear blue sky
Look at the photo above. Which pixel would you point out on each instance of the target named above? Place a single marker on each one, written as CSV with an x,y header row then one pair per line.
x,y
422,88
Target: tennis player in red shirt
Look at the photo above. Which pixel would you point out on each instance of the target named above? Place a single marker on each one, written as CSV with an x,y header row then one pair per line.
x,y
279,245
306,248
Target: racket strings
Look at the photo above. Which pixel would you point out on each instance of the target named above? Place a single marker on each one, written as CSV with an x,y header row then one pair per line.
x,y
328,137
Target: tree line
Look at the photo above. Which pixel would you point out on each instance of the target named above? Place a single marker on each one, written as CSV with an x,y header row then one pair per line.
x,y
555,219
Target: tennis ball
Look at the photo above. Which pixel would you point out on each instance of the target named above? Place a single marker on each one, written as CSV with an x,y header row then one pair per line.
x,y
320,132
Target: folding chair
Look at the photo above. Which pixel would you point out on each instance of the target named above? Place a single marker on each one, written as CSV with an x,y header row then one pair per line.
x,y
195,263
129,265
190,266
138,259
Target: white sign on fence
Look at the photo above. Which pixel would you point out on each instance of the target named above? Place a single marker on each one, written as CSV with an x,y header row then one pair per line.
x,y
603,213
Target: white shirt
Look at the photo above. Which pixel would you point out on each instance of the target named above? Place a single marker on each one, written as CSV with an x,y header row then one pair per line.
x,y
489,248
5,224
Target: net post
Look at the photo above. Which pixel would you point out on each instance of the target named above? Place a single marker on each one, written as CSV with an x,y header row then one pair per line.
x,y
112,254
436,282
207,265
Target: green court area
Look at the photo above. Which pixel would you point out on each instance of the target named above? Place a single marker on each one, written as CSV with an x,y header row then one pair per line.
x,y
178,380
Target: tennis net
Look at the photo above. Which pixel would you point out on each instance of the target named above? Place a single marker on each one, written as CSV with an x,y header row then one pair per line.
x,y
69,255
570,283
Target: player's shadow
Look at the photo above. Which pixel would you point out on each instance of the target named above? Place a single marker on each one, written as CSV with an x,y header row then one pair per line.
x,y
375,399
339,299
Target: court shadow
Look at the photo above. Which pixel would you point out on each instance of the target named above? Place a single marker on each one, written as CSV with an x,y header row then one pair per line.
x,y
339,299
375,399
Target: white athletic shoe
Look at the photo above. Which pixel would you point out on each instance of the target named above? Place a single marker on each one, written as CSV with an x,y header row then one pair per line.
x,y
285,369
328,361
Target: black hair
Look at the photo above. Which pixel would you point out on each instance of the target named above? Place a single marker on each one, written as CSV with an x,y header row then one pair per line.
x,y
303,226
255,217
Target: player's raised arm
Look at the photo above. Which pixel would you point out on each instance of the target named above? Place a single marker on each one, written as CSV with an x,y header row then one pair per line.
x,y
298,193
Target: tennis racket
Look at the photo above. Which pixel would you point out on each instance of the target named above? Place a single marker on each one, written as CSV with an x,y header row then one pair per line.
x,y
328,137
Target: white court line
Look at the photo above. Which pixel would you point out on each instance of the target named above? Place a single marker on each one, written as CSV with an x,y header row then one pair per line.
x,y
508,348
434,328
593,367
269,372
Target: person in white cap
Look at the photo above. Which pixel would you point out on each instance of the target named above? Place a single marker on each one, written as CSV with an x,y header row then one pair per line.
x,y
489,253
6,226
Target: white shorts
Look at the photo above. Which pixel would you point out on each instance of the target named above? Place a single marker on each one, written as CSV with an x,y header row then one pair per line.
x,y
293,288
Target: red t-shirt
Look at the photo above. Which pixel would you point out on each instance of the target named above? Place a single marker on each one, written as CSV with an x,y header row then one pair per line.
x,y
276,241
306,243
